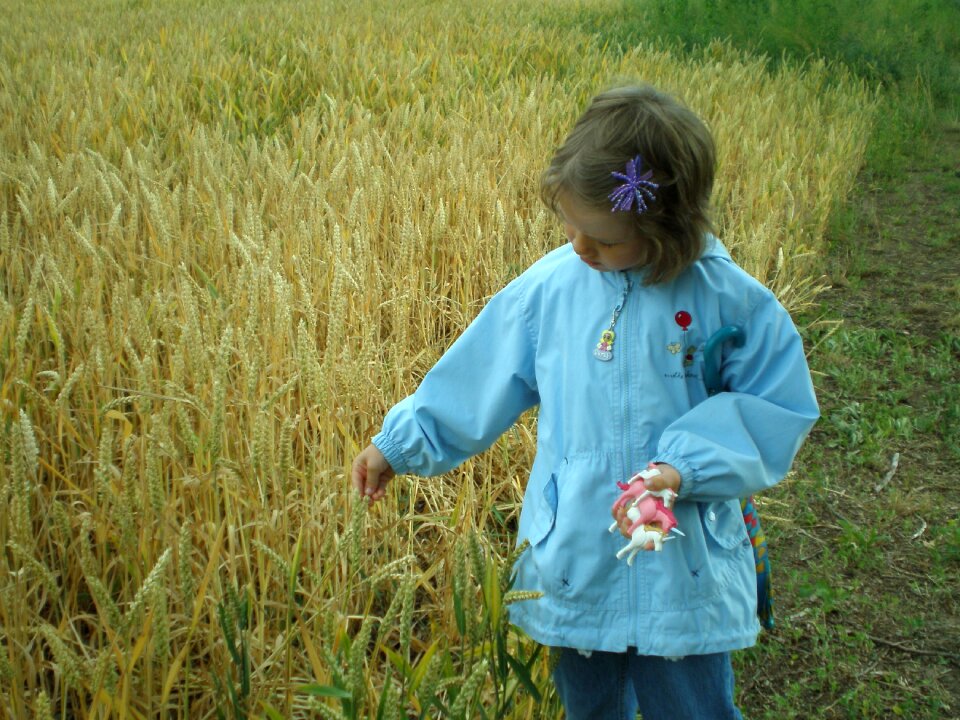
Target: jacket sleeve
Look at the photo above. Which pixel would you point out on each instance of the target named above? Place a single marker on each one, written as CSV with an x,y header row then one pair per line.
x,y
475,392
744,440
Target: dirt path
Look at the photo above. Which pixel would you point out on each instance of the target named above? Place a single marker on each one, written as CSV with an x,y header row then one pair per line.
x,y
910,258
903,275
868,596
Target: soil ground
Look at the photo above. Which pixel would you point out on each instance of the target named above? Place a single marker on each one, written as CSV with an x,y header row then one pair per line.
x,y
867,549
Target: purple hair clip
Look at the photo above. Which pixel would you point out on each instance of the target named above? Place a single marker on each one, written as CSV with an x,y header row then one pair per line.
x,y
635,186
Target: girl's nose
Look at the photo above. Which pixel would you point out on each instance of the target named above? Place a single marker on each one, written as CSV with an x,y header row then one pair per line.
x,y
581,244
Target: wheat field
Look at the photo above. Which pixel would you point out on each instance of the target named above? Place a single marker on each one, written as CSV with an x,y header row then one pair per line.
x,y
231,236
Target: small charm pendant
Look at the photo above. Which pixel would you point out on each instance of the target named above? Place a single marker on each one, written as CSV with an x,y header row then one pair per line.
x,y
604,349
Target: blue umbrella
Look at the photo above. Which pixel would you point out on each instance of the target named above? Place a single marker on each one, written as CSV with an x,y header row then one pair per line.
x,y
714,384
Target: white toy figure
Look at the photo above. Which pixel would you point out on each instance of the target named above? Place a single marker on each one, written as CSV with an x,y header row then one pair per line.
x,y
649,512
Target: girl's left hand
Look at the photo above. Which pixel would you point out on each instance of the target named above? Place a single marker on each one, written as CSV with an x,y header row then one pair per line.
x,y
669,477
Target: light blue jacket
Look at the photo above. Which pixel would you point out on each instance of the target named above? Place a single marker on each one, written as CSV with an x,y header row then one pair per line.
x,y
600,422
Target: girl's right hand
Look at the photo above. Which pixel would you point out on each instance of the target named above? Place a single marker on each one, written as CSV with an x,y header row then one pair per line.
x,y
370,473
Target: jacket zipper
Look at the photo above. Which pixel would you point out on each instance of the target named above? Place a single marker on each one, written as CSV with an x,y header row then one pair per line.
x,y
626,434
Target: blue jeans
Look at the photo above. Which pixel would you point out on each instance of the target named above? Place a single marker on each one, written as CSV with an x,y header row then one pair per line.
x,y
614,686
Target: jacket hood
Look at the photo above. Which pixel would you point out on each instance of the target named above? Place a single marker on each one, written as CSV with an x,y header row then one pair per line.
x,y
713,248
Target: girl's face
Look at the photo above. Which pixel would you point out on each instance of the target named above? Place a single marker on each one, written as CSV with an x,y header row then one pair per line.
x,y
605,240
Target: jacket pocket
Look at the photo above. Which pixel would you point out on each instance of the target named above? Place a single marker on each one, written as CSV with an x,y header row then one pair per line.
x,y
572,550
706,560
545,514
724,523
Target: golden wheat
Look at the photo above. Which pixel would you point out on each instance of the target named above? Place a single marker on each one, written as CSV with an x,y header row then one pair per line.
x,y
230,238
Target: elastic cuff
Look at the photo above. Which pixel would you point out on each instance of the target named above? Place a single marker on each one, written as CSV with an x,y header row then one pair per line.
x,y
392,452
688,476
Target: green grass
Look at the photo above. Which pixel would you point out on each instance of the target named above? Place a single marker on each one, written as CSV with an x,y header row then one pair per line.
x,y
866,578
884,41
867,566
877,378
887,42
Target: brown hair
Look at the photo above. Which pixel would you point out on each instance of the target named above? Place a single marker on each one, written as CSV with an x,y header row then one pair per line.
x,y
620,124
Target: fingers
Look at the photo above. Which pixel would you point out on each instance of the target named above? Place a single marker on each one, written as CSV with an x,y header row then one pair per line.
x,y
668,479
370,474
358,474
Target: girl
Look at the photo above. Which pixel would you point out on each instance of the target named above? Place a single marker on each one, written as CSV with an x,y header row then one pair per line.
x,y
607,334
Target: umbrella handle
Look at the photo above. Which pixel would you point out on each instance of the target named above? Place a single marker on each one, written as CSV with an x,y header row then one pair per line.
x,y
711,365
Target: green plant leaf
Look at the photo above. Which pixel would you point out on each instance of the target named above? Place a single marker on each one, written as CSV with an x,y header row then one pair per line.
x,y
324,691
398,661
272,713
416,677
523,674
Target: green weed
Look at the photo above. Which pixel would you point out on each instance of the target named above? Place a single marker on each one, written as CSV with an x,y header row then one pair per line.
x,y
233,688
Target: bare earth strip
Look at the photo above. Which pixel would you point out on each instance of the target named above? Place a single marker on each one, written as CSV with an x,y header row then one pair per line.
x,y
865,533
